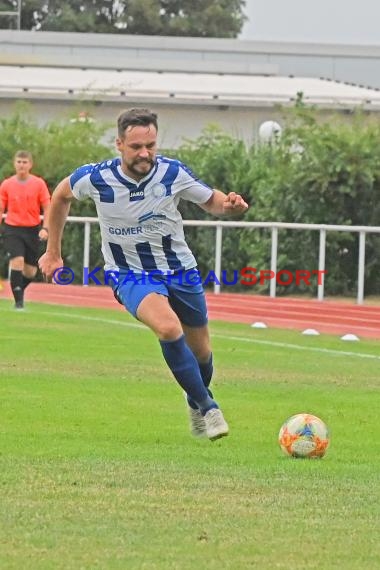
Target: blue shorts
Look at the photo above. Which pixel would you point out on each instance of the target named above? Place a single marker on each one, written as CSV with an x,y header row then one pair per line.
x,y
183,290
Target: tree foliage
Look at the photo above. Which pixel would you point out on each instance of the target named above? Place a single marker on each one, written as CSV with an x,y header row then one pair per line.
x,y
198,18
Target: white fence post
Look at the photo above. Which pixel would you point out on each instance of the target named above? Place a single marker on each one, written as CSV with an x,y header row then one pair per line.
x,y
321,263
361,263
218,257
273,261
86,248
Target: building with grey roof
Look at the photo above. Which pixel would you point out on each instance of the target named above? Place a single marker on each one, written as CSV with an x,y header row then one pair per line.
x,y
190,82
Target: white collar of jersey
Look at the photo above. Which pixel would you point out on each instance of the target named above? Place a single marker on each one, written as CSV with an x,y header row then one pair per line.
x,y
132,180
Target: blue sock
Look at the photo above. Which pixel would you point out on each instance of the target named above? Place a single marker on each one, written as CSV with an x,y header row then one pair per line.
x,y
206,370
185,369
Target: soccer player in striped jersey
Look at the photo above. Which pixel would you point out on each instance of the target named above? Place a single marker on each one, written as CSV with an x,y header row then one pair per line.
x,y
149,264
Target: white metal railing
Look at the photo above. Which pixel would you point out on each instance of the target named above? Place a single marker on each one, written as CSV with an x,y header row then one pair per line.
x,y
274,227
16,12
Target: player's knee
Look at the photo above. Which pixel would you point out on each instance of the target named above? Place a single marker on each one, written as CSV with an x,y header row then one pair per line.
x,y
30,271
170,329
17,263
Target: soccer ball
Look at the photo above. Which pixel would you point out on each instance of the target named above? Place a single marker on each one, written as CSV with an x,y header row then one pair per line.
x,y
304,435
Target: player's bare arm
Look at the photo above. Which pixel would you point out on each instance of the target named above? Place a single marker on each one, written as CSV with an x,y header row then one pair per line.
x,y
225,204
2,210
43,233
58,212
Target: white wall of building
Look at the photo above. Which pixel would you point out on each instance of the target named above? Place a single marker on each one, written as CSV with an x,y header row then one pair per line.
x,y
176,124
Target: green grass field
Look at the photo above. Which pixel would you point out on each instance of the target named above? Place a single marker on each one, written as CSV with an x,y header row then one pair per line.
x,y
98,469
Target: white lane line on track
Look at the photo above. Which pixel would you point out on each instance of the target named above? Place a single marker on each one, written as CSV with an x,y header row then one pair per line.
x,y
276,322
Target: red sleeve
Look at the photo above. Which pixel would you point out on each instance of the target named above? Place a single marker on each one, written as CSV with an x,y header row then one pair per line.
x,y
44,193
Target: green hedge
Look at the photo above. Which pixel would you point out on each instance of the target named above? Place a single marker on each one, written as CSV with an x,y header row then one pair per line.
x,y
317,172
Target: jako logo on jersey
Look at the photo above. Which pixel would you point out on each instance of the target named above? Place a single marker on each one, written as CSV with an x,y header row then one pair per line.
x,y
125,231
135,195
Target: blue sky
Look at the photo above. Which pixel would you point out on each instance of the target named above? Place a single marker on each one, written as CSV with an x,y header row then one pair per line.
x,y
317,21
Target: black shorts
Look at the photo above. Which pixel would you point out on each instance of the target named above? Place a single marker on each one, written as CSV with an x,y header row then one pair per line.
x,y
22,242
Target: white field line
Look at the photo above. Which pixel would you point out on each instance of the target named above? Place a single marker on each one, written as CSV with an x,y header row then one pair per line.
x,y
96,319
300,347
286,345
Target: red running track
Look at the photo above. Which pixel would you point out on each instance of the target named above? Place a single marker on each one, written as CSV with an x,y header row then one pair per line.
x,y
330,317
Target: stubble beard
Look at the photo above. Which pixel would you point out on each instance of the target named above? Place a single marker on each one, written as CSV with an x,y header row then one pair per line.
x,y
136,172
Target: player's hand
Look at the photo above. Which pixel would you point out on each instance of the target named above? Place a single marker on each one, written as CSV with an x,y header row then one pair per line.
x,y
234,203
48,264
43,234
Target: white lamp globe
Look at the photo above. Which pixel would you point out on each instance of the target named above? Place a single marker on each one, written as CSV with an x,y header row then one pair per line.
x,y
269,132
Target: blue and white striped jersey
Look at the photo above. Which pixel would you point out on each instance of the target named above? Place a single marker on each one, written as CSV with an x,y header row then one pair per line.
x,y
140,224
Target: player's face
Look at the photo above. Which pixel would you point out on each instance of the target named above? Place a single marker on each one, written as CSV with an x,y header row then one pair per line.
x,y
138,149
22,166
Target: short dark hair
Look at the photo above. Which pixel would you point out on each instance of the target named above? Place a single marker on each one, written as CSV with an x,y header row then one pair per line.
x,y
23,154
134,118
